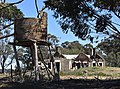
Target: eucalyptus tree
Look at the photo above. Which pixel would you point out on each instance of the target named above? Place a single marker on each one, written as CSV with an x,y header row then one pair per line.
x,y
5,54
53,39
71,47
111,48
8,13
88,48
84,17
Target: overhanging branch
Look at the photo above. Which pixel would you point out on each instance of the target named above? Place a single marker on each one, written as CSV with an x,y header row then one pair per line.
x,y
6,36
10,4
8,25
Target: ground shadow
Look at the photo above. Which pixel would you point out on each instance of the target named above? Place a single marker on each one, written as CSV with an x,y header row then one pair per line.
x,y
64,84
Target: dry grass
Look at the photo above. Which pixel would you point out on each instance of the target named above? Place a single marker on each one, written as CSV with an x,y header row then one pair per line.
x,y
3,75
92,72
73,83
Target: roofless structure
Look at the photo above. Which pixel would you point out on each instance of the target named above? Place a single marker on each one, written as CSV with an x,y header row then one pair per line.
x,y
31,32
28,30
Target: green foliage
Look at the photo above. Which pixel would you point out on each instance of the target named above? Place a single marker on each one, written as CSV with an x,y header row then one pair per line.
x,y
9,12
111,48
24,55
53,39
5,53
94,71
71,47
83,17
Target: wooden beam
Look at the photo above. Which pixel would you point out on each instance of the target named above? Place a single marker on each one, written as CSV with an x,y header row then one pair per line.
x,y
35,58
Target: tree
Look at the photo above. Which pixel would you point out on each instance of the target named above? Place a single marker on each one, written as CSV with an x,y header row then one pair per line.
x,y
111,49
25,56
5,53
88,48
8,13
71,47
84,17
53,39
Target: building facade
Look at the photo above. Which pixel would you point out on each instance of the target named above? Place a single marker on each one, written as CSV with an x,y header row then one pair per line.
x,y
72,62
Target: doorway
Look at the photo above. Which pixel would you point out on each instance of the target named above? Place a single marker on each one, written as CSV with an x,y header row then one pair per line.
x,y
57,66
78,65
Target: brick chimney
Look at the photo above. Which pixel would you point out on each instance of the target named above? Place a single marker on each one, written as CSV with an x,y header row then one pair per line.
x,y
94,51
93,54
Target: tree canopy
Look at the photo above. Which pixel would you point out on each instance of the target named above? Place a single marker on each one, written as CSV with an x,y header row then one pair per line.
x,y
71,47
111,49
84,17
8,13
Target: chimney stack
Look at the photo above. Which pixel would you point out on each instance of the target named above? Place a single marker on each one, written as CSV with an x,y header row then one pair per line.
x,y
94,51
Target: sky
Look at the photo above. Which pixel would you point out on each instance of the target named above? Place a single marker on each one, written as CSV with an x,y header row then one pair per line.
x,y
29,10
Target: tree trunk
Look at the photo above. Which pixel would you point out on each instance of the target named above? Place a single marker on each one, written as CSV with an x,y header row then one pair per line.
x,y
3,64
3,69
11,73
17,62
54,69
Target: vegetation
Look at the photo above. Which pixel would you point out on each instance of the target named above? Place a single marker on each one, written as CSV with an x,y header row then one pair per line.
x,y
107,72
82,18
111,49
86,16
72,47
8,13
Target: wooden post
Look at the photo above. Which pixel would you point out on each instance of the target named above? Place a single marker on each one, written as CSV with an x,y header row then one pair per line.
x,y
55,72
11,71
42,60
35,58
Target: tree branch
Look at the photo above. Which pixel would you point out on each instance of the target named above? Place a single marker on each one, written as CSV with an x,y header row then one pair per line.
x,y
6,36
98,16
10,4
116,14
36,7
113,27
41,10
8,25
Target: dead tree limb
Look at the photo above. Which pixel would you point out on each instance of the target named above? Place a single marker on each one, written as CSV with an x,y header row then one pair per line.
x,y
7,26
46,68
6,36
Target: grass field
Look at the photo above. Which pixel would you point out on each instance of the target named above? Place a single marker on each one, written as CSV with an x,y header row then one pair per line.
x,y
79,81
91,72
3,75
